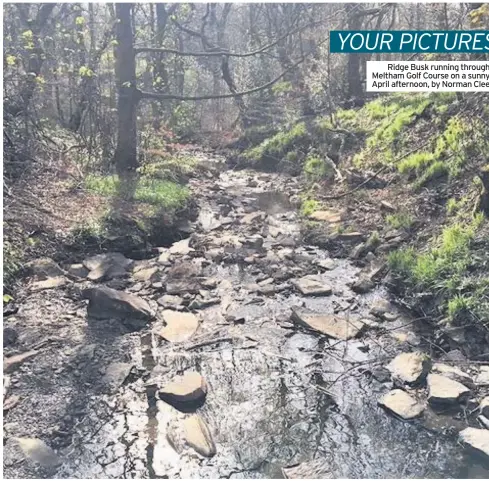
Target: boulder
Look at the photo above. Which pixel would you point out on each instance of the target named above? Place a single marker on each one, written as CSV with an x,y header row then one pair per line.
x,y
187,389
328,324
410,367
107,266
326,264
180,326
312,286
106,303
444,391
402,404
116,373
170,301
198,436
362,285
453,373
149,274
477,439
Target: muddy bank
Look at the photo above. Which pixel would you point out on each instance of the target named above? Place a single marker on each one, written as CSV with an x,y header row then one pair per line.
x,y
283,396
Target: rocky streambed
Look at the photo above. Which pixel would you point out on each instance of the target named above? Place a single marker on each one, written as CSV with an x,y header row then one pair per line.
x,y
239,352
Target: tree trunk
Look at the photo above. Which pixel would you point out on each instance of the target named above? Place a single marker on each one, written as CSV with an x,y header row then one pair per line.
x,y
125,157
355,89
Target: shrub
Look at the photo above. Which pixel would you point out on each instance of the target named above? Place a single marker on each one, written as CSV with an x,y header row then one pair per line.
x,y
401,220
316,168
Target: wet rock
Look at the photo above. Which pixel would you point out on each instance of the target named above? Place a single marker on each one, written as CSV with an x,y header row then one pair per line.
x,y
454,373
482,378
146,275
312,286
381,374
410,367
50,283
445,391
330,216
198,436
402,404
187,389
362,285
44,268
181,247
78,270
380,308
39,452
326,264
105,303
484,407
11,363
170,301
10,336
180,326
317,469
477,439
328,324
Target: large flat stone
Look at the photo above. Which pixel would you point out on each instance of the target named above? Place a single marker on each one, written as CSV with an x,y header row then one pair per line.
x,y
189,388
49,283
180,326
410,367
328,324
44,268
107,266
311,286
181,247
445,391
477,439
402,404
330,216
106,303
198,436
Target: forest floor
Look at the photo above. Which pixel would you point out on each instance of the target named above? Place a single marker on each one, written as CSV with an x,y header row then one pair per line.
x,y
239,351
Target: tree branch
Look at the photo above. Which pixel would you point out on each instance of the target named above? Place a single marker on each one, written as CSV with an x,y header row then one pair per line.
x,y
216,52
157,96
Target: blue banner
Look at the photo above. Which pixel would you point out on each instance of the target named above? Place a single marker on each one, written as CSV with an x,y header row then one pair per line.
x,y
409,41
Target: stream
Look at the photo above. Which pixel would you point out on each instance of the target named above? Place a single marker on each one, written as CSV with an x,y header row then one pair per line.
x,y
281,400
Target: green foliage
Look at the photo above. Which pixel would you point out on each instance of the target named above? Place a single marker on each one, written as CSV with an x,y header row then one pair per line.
x,y
401,220
316,168
441,269
160,193
436,170
282,88
309,206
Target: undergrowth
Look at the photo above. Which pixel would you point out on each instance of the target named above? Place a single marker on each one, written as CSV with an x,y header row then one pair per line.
x,y
442,270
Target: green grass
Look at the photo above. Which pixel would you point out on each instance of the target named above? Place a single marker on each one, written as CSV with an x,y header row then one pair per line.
x,y
277,146
159,193
441,269
316,168
401,220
